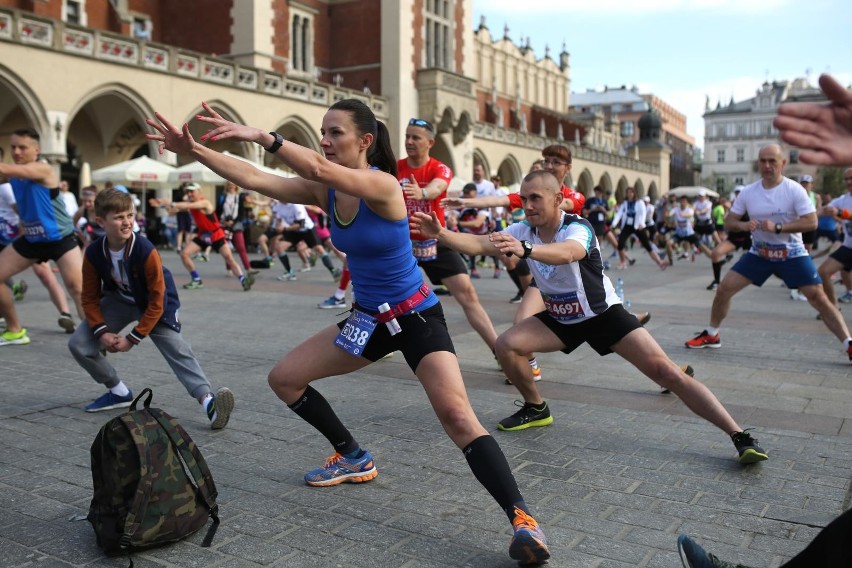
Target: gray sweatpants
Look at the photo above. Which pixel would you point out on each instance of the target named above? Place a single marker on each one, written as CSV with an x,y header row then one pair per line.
x,y
86,349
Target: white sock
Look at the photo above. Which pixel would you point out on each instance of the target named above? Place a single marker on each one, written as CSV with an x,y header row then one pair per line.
x,y
120,389
712,330
339,294
206,402
846,342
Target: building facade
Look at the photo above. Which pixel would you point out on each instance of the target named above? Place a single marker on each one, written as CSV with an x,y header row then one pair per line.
x,y
619,110
735,133
86,73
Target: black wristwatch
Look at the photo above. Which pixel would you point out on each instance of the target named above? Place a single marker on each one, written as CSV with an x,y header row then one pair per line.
x,y
528,247
279,140
777,228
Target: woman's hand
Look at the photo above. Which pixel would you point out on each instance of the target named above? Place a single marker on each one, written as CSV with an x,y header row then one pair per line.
x,y
227,130
179,141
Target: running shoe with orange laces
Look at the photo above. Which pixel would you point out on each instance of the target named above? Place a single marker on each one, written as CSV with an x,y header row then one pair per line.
x,y
703,340
339,469
529,545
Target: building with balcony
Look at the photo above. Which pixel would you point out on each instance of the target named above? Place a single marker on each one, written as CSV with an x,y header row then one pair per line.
x,y
86,74
735,133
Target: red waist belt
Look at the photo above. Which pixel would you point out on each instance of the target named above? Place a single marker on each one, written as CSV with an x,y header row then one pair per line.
x,y
406,305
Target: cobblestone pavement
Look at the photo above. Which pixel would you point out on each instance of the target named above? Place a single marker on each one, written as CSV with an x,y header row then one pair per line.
x,y
619,474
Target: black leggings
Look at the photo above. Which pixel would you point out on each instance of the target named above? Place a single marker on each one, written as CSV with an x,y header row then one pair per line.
x,y
628,230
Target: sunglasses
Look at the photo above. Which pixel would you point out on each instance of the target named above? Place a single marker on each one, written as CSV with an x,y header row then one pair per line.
x,y
422,124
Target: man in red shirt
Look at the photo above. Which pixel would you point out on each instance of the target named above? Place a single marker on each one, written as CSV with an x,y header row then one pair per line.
x,y
424,182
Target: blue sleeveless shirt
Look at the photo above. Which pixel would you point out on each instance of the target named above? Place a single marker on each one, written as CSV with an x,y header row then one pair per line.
x,y
42,212
379,256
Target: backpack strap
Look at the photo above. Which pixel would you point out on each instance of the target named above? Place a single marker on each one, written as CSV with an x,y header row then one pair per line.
x,y
192,457
200,473
136,427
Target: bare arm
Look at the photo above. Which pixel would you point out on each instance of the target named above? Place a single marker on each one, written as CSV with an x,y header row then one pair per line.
x,y
36,171
564,252
477,202
429,226
316,173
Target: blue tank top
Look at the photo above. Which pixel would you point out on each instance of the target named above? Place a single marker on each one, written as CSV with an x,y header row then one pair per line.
x,y
379,256
42,211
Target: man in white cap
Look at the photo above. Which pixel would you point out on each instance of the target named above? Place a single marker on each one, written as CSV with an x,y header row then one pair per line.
x,y
704,217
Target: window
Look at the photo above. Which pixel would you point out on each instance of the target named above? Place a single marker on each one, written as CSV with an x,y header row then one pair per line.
x,y
720,155
439,34
142,28
741,154
739,181
74,12
301,40
720,185
794,156
627,128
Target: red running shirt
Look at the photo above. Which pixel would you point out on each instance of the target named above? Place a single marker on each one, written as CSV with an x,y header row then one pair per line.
x,y
577,198
433,169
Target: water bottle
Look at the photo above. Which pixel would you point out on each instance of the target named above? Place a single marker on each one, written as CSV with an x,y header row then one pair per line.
x,y
627,304
619,288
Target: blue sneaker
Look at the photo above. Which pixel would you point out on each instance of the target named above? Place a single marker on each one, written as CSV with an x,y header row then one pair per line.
x,y
694,556
338,469
529,546
108,401
332,303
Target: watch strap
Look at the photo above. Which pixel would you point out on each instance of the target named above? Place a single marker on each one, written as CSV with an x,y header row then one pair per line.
x,y
279,140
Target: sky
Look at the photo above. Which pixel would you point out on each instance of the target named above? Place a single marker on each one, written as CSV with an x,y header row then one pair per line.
x,y
683,50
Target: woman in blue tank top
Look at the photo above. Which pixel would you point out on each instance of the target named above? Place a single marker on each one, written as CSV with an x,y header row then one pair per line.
x,y
355,183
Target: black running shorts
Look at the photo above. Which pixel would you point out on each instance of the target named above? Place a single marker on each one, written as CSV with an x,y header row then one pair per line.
x,y
601,332
422,333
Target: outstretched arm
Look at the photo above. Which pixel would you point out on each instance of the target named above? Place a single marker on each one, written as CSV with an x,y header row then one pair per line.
x,y
379,188
429,226
242,173
822,130
37,171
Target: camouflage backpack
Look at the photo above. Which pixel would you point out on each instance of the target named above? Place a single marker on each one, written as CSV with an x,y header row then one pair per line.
x,y
151,483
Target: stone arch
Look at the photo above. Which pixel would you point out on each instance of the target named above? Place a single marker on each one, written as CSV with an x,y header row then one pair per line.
x,y
479,157
197,128
107,125
447,121
441,152
585,183
297,130
653,191
639,186
510,170
620,188
19,107
463,128
606,183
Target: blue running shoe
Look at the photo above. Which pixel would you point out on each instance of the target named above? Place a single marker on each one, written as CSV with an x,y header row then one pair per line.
x,y
108,401
692,555
338,469
529,546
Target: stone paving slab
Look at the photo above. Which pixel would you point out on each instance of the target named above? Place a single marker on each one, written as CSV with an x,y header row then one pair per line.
x,y
618,475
